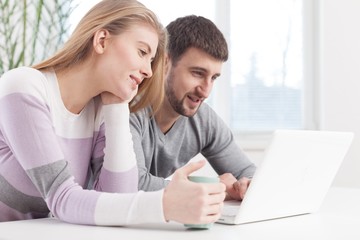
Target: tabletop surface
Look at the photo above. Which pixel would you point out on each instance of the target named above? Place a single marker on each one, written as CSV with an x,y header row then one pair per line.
x,y
338,218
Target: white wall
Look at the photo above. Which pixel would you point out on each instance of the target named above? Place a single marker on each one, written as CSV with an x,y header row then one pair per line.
x,y
339,72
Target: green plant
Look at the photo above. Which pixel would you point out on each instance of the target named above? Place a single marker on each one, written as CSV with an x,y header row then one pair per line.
x,y
31,30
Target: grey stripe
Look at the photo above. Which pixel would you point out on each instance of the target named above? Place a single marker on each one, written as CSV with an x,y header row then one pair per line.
x,y
19,201
49,177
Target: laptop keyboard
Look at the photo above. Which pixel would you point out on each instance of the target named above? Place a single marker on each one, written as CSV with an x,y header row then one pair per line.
x,y
231,208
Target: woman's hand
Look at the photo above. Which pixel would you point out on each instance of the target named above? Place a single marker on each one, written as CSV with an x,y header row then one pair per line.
x,y
109,98
192,203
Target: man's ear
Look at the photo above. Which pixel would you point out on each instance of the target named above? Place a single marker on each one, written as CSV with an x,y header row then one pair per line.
x,y
100,40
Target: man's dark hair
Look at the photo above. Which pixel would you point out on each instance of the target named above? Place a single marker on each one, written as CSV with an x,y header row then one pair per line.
x,y
198,32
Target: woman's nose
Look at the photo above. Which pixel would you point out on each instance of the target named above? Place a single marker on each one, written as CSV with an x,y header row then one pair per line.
x,y
146,70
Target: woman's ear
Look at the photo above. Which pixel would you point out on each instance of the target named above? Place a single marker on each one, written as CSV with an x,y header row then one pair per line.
x,y
167,62
99,41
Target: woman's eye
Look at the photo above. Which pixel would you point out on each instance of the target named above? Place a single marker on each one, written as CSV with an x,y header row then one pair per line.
x,y
142,52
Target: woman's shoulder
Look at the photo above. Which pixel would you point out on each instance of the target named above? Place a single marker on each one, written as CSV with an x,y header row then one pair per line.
x,y
25,80
21,72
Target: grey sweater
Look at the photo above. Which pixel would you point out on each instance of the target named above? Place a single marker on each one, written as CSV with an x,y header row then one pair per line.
x,y
159,155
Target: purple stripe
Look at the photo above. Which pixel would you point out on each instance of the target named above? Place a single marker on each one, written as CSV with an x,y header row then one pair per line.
x,y
73,204
78,153
27,127
123,182
13,173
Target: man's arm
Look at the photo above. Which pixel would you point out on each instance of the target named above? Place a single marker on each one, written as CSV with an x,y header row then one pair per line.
x,y
224,155
221,149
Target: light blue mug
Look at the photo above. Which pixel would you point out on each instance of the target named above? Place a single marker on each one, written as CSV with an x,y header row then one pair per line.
x,y
201,179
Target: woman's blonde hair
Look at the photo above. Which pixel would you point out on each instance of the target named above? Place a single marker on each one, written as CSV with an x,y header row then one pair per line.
x,y
116,16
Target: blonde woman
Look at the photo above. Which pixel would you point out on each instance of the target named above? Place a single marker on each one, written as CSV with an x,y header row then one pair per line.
x,y
66,120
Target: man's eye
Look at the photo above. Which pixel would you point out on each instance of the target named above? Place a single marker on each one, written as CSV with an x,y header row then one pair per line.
x,y
198,74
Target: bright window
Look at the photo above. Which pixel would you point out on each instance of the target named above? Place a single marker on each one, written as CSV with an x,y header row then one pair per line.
x,y
266,65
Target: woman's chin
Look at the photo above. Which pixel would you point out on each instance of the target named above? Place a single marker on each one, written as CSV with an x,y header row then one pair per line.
x,y
130,95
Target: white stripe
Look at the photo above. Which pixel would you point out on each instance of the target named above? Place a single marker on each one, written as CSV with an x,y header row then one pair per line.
x,y
113,209
119,150
24,80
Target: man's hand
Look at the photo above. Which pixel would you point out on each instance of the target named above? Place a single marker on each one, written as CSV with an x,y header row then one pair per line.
x,y
192,203
235,189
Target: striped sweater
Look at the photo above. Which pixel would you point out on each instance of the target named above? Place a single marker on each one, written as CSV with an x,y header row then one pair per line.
x,y
48,155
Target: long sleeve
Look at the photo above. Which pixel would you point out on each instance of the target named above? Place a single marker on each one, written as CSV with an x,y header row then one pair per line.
x,y
119,171
221,150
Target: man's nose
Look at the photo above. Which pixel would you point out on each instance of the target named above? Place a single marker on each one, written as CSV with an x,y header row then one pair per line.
x,y
205,88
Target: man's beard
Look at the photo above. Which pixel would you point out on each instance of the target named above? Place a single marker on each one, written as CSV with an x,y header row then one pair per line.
x,y
176,104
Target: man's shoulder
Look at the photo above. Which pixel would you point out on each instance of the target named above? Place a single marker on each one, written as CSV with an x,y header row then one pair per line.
x,y
207,118
205,113
140,118
143,113
205,108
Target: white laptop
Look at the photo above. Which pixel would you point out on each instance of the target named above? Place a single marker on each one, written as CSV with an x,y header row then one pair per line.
x,y
293,178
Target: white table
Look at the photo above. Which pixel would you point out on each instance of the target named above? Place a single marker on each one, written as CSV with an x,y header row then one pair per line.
x,y
338,218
